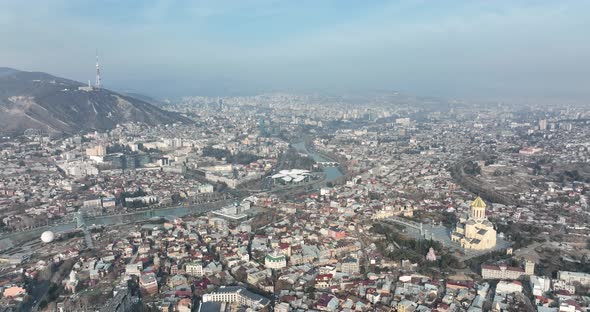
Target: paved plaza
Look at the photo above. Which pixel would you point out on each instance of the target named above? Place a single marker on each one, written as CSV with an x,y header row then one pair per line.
x,y
442,234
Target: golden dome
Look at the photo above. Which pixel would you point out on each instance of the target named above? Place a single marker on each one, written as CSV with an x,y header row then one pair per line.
x,y
478,203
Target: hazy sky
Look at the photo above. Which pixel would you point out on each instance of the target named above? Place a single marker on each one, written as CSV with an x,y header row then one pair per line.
x,y
172,48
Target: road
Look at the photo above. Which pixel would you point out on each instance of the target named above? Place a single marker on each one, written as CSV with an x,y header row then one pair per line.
x,y
362,239
177,211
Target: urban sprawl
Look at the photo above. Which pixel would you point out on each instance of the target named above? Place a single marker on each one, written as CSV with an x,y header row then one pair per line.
x,y
283,202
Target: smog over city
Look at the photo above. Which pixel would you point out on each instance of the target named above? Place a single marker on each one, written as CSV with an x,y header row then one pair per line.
x,y
263,155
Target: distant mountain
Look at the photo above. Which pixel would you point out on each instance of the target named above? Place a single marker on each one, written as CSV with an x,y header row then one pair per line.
x,y
42,101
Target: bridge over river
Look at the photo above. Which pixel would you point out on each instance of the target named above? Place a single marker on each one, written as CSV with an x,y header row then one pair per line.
x,y
325,164
12,239
9,240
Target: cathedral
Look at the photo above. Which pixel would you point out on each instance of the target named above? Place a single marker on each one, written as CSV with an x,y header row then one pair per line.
x,y
475,232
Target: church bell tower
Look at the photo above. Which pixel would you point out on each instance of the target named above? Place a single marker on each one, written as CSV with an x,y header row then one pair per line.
x,y
478,209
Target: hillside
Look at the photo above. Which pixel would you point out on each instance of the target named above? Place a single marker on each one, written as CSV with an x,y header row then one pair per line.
x,y
42,101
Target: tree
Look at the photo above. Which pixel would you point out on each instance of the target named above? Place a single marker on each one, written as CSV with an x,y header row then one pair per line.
x,y
210,151
449,219
472,168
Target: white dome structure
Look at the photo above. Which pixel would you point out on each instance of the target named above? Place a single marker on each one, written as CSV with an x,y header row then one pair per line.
x,y
47,237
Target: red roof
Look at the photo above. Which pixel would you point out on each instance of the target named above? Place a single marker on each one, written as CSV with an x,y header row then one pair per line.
x,y
288,298
183,293
324,277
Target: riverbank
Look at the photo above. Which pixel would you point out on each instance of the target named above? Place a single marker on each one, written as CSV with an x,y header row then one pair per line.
x,y
332,173
9,240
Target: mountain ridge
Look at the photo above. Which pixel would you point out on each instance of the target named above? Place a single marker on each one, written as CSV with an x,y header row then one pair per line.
x,y
59,105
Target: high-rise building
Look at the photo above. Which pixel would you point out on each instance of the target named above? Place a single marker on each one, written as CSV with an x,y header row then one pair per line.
x,y
543,124
98,150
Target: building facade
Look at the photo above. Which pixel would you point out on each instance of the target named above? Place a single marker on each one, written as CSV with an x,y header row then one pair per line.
x,y
194,269
276,260
506,272
350,265
148,283
475,232
572,277
237,294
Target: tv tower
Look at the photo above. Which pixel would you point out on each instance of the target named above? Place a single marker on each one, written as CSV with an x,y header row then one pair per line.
x,y
97,84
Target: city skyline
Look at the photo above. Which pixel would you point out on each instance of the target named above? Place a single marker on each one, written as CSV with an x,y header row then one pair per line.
x,y
481,50
265,155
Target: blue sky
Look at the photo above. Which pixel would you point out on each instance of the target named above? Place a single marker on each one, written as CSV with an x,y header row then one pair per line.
x,y
466,49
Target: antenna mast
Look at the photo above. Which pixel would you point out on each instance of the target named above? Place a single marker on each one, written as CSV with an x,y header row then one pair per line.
x,y
98,81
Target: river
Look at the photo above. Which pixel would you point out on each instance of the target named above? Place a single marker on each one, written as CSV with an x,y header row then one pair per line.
x,y
332,173
11,239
